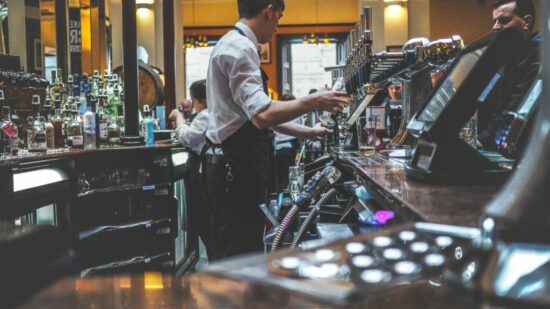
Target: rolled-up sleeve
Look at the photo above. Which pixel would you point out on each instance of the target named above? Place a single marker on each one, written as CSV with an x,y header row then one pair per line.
x,y
245,83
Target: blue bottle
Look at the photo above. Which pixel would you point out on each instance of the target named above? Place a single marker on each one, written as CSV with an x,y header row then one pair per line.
x,y
148,127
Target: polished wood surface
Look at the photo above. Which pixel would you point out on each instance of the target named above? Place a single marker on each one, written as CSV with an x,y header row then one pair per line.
x,y
155,290
433,202
72,153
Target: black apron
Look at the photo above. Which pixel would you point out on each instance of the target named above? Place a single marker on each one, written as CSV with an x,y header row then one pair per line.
x,y
236,186
248,150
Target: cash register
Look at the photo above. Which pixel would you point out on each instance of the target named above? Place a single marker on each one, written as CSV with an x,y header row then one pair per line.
x,y
440,154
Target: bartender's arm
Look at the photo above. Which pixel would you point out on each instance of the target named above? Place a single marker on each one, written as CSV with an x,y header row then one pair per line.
x,y
302,131
280,112
246,88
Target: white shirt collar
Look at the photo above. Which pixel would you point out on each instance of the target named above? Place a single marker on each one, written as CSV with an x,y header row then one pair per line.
x,y
248,33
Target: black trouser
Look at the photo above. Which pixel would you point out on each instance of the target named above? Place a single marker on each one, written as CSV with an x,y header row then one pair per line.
x,y
235,194
284,158
198,210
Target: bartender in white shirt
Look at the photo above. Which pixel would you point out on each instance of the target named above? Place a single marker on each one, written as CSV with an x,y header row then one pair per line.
x,y
193,136
240,114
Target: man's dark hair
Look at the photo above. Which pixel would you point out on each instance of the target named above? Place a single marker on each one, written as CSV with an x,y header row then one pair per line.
x,y
198,90
523,7
250,8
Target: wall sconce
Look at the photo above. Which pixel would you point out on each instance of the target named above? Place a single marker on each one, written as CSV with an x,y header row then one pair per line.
x,y
398,2
145,4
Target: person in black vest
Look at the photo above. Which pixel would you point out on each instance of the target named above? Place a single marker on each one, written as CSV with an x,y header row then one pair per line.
x,y
235,164
193,136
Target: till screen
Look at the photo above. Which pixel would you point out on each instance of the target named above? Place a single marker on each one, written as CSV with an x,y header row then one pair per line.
x,y
448,88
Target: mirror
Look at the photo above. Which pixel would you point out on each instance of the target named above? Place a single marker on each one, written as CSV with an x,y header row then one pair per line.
x,y
30,34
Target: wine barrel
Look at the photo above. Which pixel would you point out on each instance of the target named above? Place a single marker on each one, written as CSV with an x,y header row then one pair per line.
x,y
151,84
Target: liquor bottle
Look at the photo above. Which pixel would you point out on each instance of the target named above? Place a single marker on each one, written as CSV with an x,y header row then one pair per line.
x,y
10,132
49,126
95,83
70,89
58,123
57,87
75,128
103,119
67,119
94,104
36,133
3,137
148,127
14,115
84,91
115,102
89,126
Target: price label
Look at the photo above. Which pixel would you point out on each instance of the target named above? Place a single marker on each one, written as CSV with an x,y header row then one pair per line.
x,y
9,130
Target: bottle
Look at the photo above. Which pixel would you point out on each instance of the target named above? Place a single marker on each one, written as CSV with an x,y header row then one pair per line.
x,y
75,128
84,91
58,124
95,82
67,119
10,131
94,105
148,127
103,120
69,91
9,137
274,206
89,127
36,133
49,126
57,87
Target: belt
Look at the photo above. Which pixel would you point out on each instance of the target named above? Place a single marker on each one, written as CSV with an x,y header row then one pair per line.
x,y
214,159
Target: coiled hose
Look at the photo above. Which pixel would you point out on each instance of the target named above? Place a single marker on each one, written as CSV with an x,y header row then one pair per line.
x,y
281,231
312,214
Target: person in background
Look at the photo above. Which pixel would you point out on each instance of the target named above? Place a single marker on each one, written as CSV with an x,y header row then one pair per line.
x,y
519,75
240,113
395,91
393,108
187,110
193,136
285,151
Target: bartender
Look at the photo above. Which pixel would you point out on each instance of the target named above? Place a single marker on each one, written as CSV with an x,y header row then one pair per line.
x,y
518,76
240,114
193,136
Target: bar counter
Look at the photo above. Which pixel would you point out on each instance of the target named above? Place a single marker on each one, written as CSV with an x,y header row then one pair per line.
x,y
74,153
417,200
154,290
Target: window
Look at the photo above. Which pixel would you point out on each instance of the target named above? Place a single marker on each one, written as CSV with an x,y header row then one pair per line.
x,y
308,62
196,65
302,66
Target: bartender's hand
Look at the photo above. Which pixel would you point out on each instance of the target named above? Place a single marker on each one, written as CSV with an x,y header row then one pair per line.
x,y
317,132
331,101
177,118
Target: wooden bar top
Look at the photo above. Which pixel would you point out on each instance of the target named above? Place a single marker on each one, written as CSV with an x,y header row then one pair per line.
x,y
25,156
433,202
204,291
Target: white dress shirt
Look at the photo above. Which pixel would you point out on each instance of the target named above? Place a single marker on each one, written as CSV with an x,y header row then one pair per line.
x,y
234,88
194,136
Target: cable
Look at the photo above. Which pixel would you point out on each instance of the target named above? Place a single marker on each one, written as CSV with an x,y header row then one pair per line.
x,y
281,231
312,214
